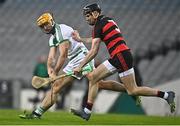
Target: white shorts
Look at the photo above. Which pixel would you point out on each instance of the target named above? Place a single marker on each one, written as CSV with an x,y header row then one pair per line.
x,y
75,62
112,69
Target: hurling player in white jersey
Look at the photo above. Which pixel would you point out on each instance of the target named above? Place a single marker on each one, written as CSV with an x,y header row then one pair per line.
x,y
70,49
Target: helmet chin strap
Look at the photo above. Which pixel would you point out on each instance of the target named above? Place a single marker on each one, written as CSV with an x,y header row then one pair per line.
x,y
53,23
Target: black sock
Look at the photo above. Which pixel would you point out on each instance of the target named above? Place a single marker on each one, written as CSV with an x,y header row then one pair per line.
x,y
160,94
89,106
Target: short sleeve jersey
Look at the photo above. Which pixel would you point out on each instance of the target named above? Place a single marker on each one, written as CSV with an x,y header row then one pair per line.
x,y
62,34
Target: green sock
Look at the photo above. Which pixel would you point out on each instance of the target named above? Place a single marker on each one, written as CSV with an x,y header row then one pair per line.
x,y
39,111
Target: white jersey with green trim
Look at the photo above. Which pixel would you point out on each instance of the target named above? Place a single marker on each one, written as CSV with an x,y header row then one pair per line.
x,y
63,33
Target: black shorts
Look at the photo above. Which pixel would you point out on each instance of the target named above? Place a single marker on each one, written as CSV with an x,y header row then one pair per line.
x,y
122,61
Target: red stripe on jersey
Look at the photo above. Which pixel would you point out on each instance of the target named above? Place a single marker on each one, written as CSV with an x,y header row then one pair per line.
x,y
109,35
107,26
120,48
122,61
113,42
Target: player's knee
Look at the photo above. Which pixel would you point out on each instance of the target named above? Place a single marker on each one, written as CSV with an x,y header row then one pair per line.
x,y
100,85
91,77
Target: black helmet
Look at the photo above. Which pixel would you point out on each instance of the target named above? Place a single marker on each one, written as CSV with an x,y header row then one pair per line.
x,y
90,8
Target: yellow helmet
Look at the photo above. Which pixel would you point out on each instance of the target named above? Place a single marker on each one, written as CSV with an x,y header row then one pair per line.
x,y
44,18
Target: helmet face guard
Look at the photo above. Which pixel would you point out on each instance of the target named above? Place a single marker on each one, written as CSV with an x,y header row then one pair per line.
x,y
90,8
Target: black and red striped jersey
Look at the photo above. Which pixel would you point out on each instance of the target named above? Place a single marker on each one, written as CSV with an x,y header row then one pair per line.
x,y
107,30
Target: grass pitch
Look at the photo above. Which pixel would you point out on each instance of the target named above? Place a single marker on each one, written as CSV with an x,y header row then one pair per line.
x,y
10,117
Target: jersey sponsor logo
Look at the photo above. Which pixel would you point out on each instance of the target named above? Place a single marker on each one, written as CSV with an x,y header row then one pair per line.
x,y
109,25
112,22
117,29
115,25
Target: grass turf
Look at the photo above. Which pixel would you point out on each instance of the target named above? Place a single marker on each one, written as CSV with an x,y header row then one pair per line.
x,y
10,117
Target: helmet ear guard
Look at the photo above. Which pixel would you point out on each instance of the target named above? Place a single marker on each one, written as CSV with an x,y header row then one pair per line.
x,y
45,18
90,8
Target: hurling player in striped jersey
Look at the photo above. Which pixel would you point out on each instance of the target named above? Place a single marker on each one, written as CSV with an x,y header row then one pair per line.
x,y
106,30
